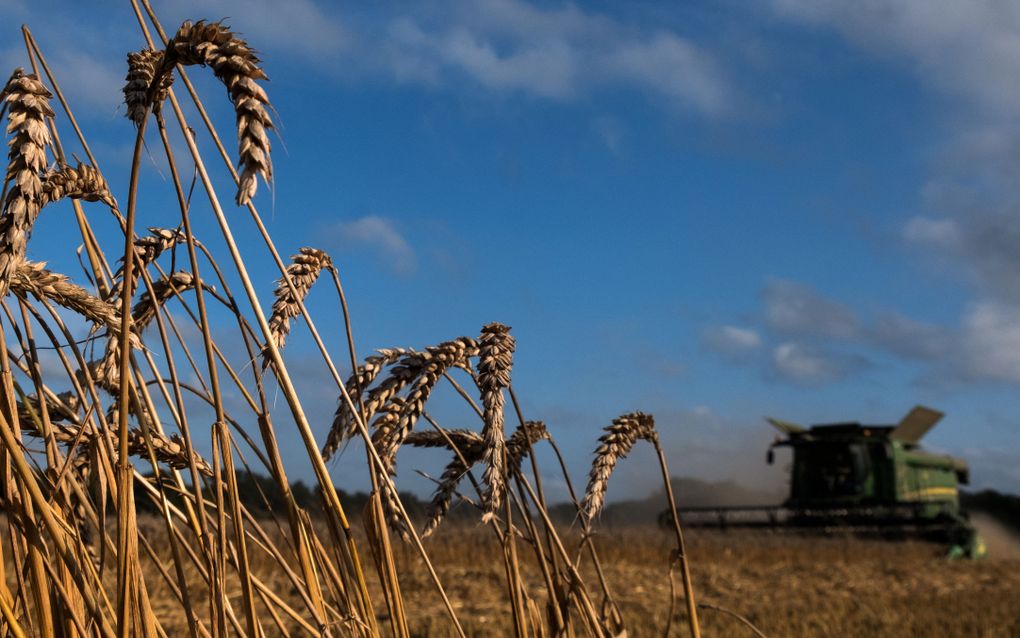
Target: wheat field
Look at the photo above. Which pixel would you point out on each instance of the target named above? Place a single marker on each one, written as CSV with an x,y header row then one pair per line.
x,y
122,457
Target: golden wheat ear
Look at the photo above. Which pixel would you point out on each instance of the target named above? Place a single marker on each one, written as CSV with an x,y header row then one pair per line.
x,y
495,360
143,67
78,182
304,270
28,106
614,445
33,278
236,65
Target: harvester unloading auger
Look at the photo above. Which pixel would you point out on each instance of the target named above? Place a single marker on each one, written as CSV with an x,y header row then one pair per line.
x,y
863,478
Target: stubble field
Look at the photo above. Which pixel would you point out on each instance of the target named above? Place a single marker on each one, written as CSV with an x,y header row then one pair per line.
x,y
785,584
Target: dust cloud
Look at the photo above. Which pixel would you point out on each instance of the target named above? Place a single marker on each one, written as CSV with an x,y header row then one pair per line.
x,y
1003,543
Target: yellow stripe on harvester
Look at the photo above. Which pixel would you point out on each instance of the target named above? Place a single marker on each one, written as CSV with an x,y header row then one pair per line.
x,y
929,492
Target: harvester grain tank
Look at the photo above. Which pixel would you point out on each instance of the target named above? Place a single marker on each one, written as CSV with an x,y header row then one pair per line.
x,y
866,478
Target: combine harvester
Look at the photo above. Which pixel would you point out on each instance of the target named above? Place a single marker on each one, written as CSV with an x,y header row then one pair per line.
x,y
862,479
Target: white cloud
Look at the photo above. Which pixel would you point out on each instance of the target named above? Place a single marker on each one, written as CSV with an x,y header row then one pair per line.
x,y
968,48
804,365
298,25
674,67
732,341
794,308
554,53
940,233
990,342
379,235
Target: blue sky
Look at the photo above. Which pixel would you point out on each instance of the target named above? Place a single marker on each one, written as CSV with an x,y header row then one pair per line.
x,y
711,211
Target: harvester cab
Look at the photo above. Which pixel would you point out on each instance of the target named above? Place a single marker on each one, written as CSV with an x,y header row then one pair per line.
x,y
849,464
868,478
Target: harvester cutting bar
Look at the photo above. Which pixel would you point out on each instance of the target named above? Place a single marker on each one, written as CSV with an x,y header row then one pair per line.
x,y
907,517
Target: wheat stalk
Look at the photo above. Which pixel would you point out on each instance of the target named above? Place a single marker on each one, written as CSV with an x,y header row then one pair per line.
x,y
28,107
614,445
495,359
471,447
148,249
106,371
236,65
303,271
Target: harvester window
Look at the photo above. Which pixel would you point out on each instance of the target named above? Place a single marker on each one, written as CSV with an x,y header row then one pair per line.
x,y
834,469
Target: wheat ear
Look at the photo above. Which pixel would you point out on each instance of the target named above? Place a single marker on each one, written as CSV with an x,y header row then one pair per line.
x,y
442,499
169,449
614,445
34,278
495,359
147,248
79,182
236,65
432,365
468,442
27,109
107,370
303,272
143,67
517,446
343,421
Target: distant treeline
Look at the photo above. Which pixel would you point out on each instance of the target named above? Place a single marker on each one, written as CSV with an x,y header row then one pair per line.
x,y
261,496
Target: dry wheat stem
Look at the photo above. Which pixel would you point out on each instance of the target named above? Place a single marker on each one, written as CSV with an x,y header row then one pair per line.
x,y
495,360
148,249
169,449
106,371
304,271
27,102
614,445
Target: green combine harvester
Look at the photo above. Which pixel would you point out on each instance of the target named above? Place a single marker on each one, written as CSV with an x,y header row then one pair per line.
x,y
869,479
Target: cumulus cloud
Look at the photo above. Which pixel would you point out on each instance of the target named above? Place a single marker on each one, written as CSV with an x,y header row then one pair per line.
x,y
299,25
794,308
558,53
379,235
990,342
969,50
732,341
805,365
909,338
